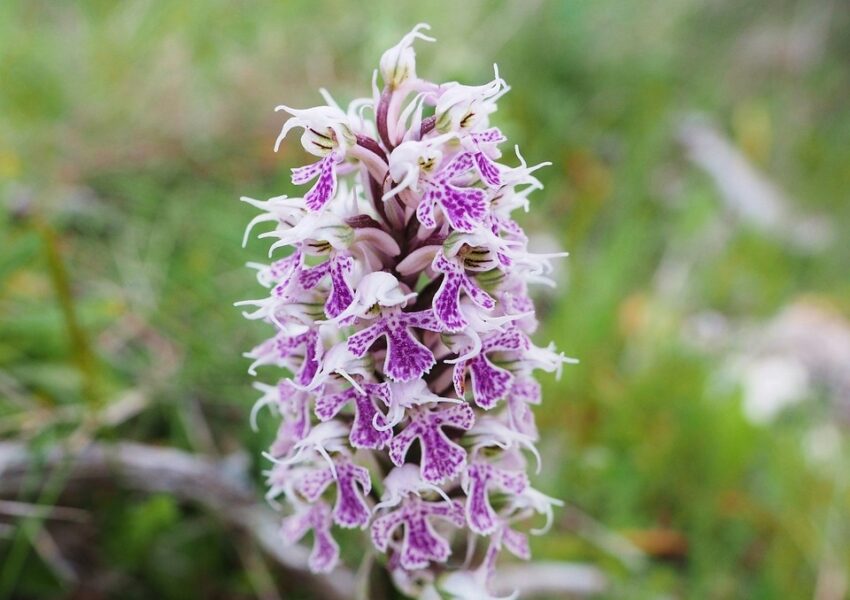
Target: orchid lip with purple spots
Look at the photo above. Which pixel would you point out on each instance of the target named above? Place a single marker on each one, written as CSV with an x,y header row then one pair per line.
x,y
398,291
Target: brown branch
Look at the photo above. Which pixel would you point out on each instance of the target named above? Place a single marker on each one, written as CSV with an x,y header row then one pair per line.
x,y
190,478
218,487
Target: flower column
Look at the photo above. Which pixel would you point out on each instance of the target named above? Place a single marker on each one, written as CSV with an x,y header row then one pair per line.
x,y
402,316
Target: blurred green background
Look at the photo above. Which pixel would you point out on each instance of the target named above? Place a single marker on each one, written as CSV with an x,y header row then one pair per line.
x,y
701,444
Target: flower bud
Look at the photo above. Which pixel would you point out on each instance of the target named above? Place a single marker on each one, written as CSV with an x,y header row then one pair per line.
x,y
398,64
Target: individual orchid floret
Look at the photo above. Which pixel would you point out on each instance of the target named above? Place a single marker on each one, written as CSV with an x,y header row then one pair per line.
x,y
339,268
299,353
315,518
398,296
485,151
326,134
352,482
447,299
369,429
420,544
479,479
417,166
466,107
406,358
441,459
490,383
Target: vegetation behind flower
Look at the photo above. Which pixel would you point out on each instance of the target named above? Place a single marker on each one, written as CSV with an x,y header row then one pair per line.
x,y
127,129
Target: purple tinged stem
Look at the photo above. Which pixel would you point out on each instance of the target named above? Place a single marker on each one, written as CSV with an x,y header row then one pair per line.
x,y
382,114
365,141
427,126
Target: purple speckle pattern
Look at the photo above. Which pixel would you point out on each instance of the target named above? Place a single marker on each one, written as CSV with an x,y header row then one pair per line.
x,y
447,299
299,353
465,208
486,142
490,383
352,481
406,357
325,186
419,544
401,318
442,459
315,518
482,477
369,429
340,294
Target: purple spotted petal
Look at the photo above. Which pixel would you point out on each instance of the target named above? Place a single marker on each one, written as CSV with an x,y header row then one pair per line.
x,y
301,175
383,528
328,405
459,377
325,186
459,165
509,339
402,441
425,210
310,278
447,303
407,358
420,544
313,484
310,363
488,136
516,543
299,352
447,298
366,415
352,481
441,459
483,477
489,382
488,170
351,509
422,319
359,343
465,208
341,295
325,553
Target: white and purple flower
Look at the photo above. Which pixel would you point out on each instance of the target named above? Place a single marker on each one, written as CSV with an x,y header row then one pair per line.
x,y
402,316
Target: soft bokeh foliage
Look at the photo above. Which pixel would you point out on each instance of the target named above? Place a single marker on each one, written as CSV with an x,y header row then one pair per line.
x,y
129,129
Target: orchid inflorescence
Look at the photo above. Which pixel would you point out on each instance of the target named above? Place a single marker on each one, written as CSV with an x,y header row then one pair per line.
x,y
403,314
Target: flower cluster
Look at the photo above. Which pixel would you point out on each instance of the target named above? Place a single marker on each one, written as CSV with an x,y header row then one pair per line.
x,y
402,313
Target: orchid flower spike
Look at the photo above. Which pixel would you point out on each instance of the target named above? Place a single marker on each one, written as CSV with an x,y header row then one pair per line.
x,y
399,305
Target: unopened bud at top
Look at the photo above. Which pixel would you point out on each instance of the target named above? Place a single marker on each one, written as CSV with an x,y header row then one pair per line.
x,y
398,64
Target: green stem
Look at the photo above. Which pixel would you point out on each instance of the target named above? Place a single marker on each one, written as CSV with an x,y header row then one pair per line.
x,y
81,348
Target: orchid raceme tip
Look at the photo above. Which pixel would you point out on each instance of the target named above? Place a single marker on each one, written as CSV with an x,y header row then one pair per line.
x,y
399,297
